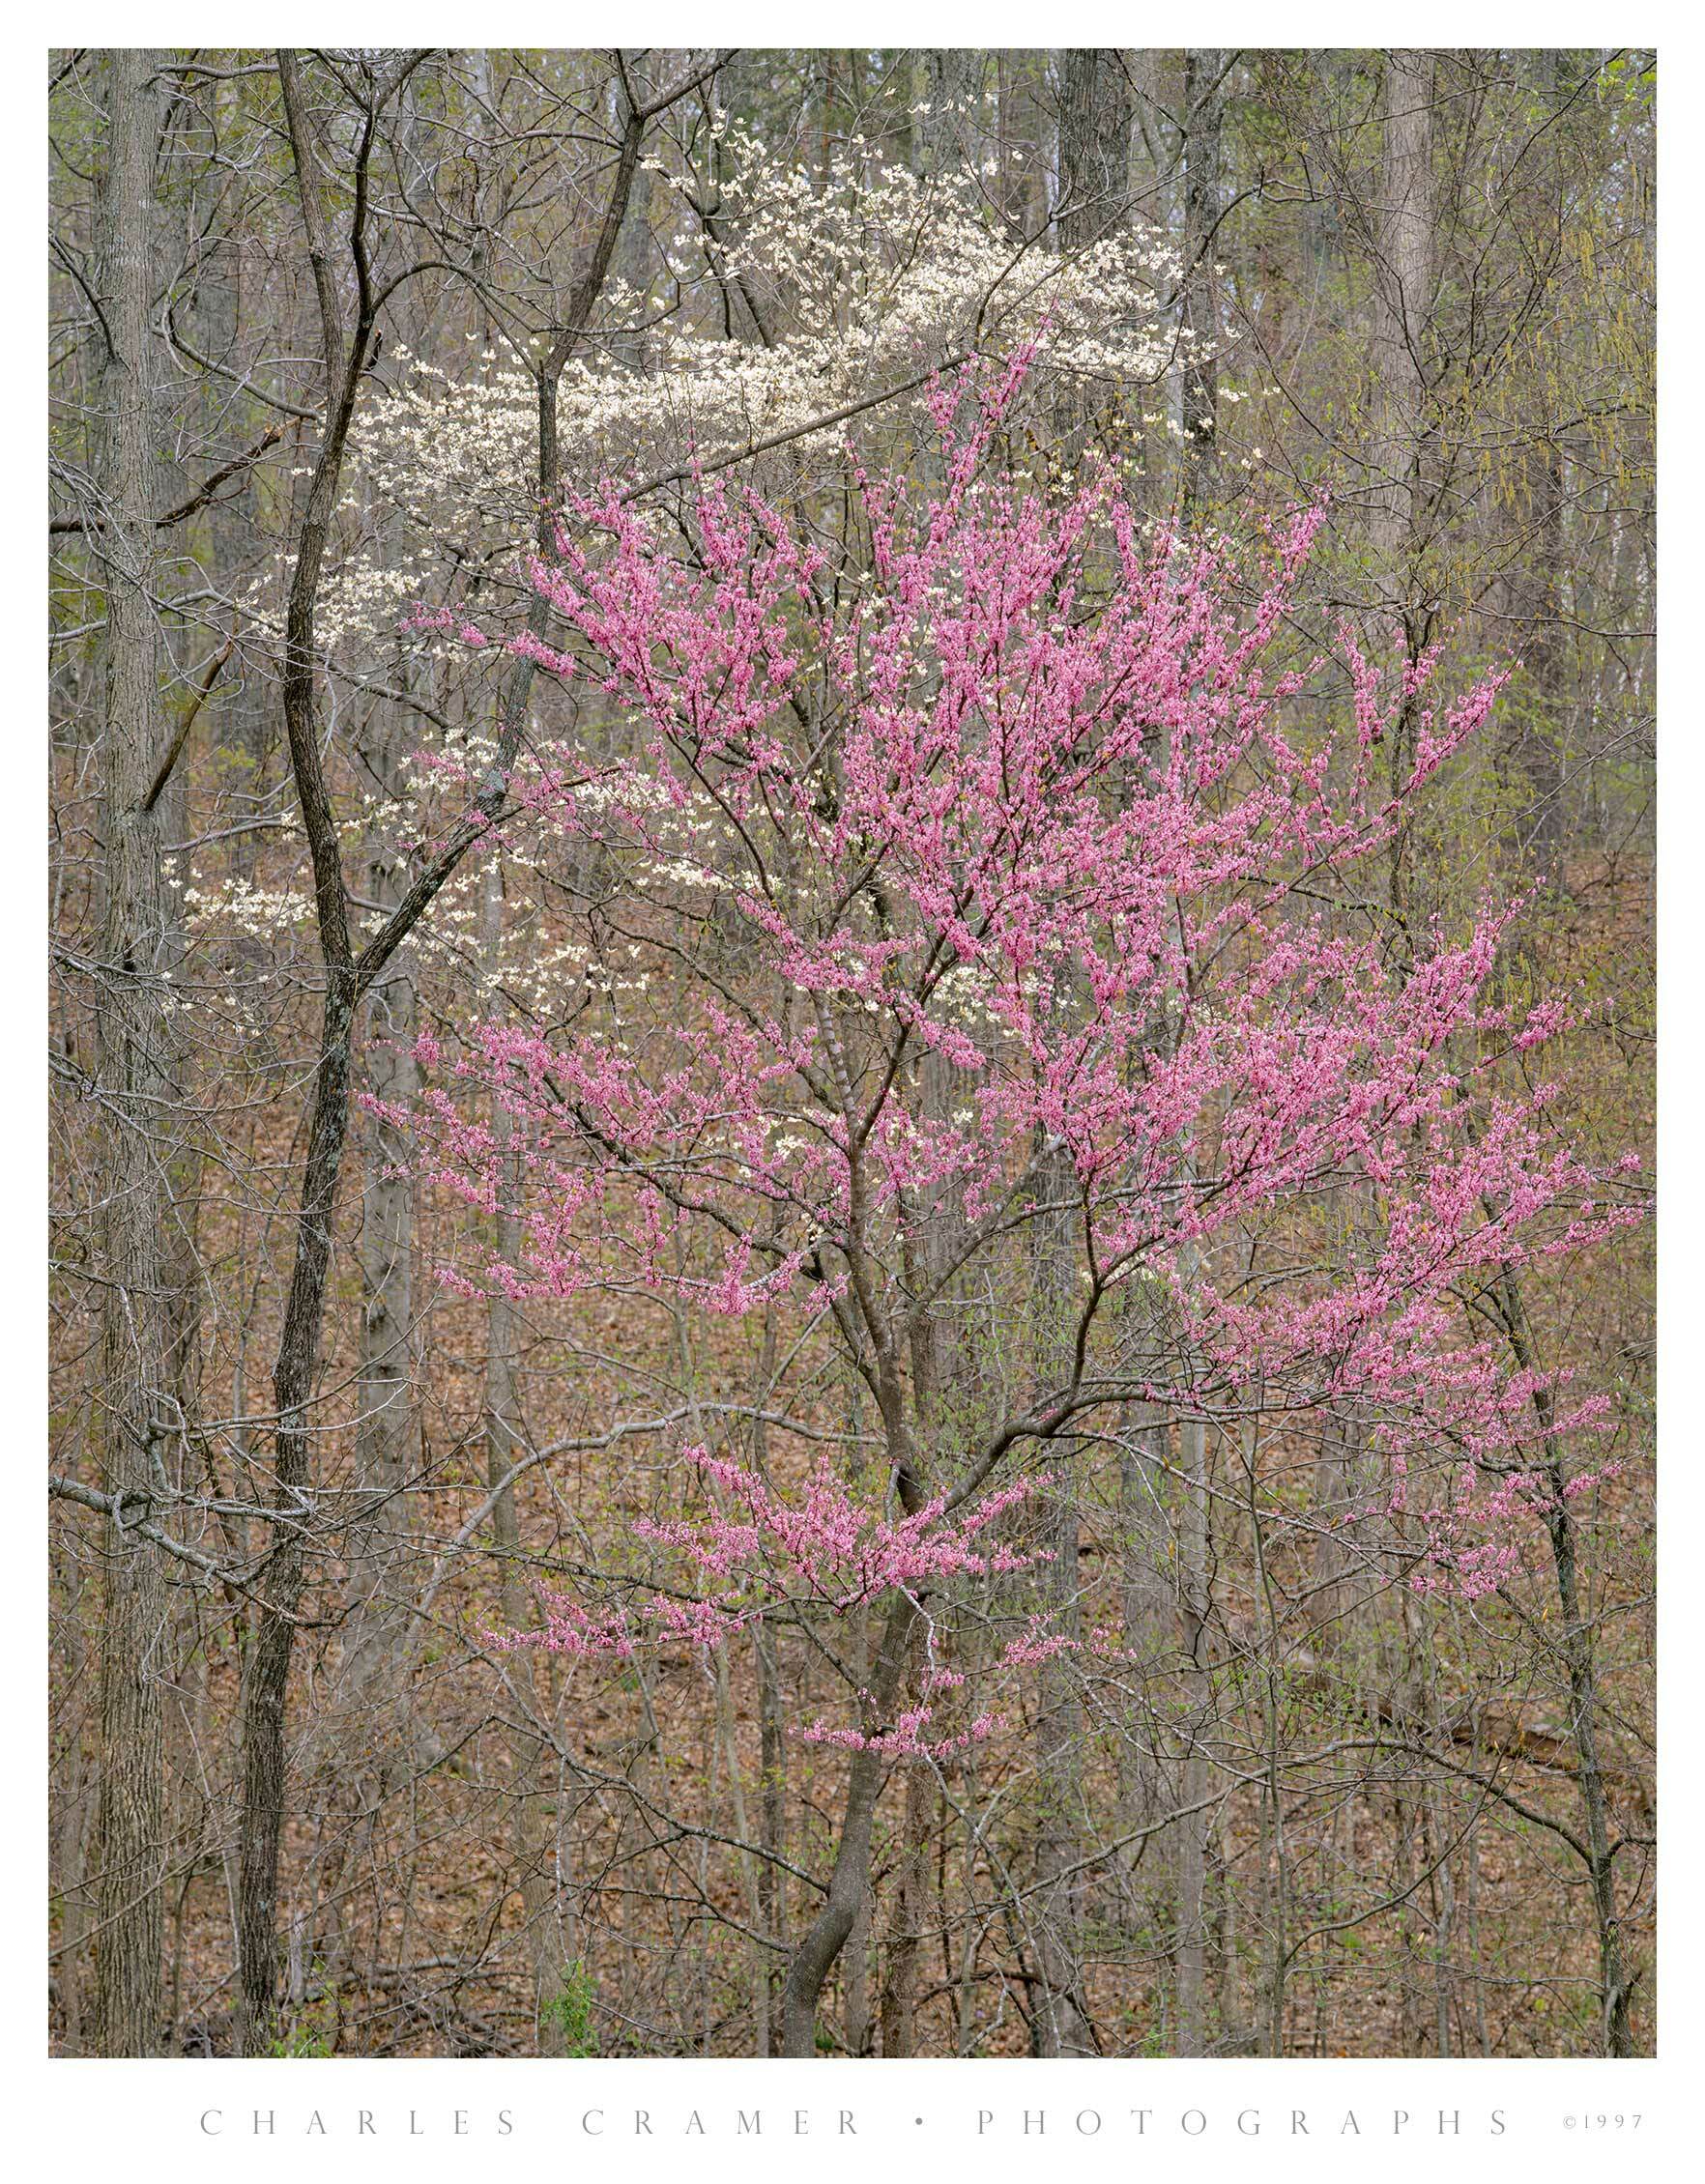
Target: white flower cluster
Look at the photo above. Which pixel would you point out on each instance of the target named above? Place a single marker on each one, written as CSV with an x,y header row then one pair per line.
x,y
238,906
845,288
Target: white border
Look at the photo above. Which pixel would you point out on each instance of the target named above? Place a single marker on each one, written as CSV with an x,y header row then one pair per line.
x,y
78,2119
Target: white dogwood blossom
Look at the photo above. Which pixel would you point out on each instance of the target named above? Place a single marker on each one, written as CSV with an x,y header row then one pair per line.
x,y
845,291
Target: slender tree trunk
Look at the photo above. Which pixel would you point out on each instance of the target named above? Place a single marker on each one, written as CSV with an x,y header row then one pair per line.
x,y
1538,585
1198,1709
387,1435
1144,1612
1615,1988
1546,698
266,1677
772,1808
1059,2020
1205,72
135,1043
850,1880
346,349
772,1760
69,1834
899,2012
540,1861
1404,251
1060,2024
857,2024
856,1982
1094,163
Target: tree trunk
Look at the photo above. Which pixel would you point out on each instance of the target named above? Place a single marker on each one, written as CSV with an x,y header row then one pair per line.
x,y
1402,306
850,1882
266,1677
773,1761
899,2011
346,349
387,1437
1095,165
953,78
1205,70
1537,586
1615,1988
1198,1690
134,1044
538,1859
1094,144
1144,1614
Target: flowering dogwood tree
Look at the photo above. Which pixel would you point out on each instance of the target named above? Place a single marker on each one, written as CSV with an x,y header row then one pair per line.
x,y
972,922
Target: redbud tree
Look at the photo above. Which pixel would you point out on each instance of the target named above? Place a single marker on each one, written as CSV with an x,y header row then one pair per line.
x,y
976,897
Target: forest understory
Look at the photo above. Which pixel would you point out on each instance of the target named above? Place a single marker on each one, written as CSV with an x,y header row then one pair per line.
x,y
851,915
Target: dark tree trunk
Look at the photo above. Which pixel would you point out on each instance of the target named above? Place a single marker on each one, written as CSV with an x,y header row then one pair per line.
x,y
346,347
814,1959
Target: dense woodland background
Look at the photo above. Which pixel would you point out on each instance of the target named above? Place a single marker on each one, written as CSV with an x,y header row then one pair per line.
x,y
329,330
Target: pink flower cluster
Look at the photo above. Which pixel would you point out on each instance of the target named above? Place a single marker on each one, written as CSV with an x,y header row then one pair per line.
x,y
830,1550
1043,819
906,1738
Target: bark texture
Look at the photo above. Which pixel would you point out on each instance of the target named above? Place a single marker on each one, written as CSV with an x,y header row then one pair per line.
x,y
138,1087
